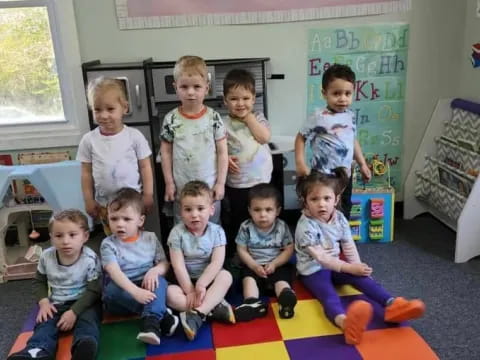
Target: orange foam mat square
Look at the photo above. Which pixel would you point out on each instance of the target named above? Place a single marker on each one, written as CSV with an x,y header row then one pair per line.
x,y
63,348
395,344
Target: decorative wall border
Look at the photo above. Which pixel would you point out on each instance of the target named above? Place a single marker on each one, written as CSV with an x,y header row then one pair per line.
x,y
363,8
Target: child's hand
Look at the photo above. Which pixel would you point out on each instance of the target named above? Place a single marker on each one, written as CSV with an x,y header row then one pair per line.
x,y
150,280
92,208
260,271
169,192
191,298
233,165
47,310
143,296
148,202
247,118
218,191
269,268
366,173
200,292
67,320
302,170
360,269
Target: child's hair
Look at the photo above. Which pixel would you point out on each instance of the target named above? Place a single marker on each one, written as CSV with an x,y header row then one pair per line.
x,y
190,65
127,197
99,86
336,181
239,78
196,188
73,215
264,191
337,71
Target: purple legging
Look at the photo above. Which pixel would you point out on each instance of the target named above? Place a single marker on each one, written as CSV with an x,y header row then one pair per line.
x,y
321,285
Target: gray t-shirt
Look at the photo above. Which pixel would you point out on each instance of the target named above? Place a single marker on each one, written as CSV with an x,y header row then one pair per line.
x,y
134,258
68,282
197,250
264,247
331,236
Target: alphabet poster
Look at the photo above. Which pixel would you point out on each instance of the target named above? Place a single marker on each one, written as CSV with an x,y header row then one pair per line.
x,y
378,56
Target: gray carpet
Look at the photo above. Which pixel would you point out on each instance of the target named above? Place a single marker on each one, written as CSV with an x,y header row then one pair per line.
x,y
419,263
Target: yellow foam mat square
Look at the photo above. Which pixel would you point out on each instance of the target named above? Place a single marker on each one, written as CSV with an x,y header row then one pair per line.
x,y
269,350
345,290
309,321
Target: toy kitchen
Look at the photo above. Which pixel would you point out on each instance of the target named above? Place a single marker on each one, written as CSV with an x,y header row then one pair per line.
x,y
150,93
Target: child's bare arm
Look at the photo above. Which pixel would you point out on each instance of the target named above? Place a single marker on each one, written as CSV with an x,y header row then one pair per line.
x,y
180,270
284,256
260,132
222,168
360,159
150,280
91,206
248,260
216,264
118,277
166,155
146,174
300,165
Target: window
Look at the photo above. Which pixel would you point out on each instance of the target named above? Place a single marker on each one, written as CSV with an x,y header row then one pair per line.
x,y
42,100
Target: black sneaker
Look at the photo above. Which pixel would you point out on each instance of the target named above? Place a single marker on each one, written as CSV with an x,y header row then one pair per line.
x,y
191,323
223,312
287,301
252,308
26,355
169,323
150,331
85,349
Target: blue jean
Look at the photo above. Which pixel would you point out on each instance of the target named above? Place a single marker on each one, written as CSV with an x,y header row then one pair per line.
x,y
119,302
321,285
45,334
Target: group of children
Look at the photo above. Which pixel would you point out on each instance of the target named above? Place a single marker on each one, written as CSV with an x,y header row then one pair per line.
x,y
205,157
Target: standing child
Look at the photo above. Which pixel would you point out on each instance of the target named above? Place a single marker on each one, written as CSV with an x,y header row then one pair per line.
x,y
322,233
329,133
197,252
193,140
113,155
135,262
67,285
249,158
265,246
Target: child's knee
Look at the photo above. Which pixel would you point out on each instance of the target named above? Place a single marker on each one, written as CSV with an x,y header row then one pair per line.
x,y
225,277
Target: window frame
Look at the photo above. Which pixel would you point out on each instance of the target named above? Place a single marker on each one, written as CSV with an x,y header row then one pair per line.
x,y
67,56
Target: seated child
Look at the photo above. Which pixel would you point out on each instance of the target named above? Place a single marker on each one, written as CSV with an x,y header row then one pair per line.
x,y
72,273
197,252
265,244
135,263
322,232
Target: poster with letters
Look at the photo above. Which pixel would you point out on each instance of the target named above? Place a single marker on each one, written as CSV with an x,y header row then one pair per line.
x,y
378,56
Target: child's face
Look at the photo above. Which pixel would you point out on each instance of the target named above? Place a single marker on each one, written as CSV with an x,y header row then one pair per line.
x,y
195,212
263,212
125,222
338,95
108,111
320,202
239,102
191,90
68,238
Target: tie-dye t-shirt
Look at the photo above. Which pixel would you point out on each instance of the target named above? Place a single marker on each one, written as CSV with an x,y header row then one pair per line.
x,y
254,159
68,282
329,140
194,152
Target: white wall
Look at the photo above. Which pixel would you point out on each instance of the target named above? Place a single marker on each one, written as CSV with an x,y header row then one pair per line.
x,y
433,62
469,86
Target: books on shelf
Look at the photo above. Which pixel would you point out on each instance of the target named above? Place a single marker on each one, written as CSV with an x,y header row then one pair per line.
x,y
456,182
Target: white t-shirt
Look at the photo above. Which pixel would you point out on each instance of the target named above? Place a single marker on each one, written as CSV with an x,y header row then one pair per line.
x,y
254,159
114,160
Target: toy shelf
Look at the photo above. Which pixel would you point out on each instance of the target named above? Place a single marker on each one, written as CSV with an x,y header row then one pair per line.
x,y
443,179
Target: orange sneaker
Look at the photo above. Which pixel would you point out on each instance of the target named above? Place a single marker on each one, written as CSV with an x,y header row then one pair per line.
x,y
359,314
402,309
